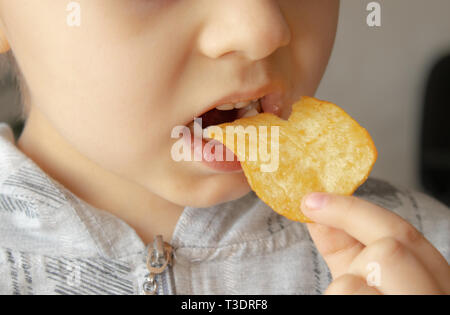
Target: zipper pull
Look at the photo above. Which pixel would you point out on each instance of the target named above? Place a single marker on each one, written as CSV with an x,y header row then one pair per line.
x,y
158,258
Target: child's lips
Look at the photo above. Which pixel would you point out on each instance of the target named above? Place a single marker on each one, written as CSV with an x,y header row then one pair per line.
x,y
271,103
217,117
269,96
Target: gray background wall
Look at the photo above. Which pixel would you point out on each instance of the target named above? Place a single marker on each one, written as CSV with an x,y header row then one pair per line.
x,y
376,74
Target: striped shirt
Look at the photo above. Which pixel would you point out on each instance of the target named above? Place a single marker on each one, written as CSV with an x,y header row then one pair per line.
x,y
52,242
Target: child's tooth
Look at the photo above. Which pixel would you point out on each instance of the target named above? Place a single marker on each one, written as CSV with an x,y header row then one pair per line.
x,y
250,113
241,104
225,107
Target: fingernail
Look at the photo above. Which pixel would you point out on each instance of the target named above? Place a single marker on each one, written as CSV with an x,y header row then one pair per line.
x,y
315,201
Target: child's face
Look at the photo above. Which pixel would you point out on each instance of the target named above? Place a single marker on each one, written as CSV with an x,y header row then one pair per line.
x,y
115,87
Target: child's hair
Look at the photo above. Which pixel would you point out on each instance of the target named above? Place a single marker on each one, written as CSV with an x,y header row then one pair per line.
x,y
10,69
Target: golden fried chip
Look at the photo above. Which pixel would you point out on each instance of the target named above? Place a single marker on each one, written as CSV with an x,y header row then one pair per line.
x,y
320,148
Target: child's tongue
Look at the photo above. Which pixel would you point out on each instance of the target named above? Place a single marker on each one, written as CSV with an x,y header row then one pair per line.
x,y
208,156
217,117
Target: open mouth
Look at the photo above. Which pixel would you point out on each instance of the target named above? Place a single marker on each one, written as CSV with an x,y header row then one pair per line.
x,y
230,112
264,100
223,113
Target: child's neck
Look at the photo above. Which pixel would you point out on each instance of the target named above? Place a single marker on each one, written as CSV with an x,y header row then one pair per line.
x,y
144,211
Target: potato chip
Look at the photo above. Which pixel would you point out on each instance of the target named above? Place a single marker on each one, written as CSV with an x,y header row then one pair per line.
x,y
320,149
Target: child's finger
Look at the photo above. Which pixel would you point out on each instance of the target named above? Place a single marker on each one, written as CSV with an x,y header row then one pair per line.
x,y
336,247
393,269
368,223
349,284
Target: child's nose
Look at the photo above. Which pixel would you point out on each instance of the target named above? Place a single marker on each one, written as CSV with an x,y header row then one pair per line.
x,y
255,28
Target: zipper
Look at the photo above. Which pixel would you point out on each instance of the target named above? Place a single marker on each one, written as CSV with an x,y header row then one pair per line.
x,y
158,259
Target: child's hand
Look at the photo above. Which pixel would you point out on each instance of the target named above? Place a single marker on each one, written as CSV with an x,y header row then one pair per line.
x,y
361,241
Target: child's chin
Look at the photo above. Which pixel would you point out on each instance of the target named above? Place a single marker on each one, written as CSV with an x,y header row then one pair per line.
x,y
217,194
